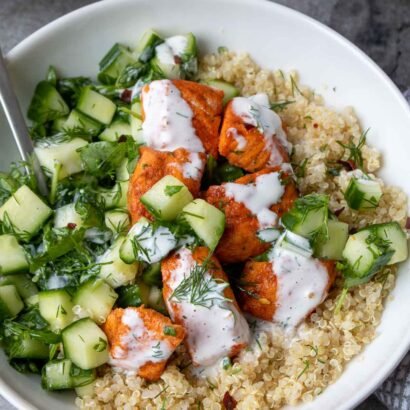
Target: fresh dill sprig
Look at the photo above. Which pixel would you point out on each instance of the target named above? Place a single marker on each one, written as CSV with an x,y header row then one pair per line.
x,y
200,288
279,106
355,150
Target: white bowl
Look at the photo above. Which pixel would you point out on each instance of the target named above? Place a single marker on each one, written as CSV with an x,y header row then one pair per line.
x,y
276,37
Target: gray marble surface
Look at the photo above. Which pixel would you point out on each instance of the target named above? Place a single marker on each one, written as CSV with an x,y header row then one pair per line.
x,y
379,27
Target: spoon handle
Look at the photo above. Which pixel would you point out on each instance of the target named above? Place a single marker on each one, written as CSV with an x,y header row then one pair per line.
x,y
18,125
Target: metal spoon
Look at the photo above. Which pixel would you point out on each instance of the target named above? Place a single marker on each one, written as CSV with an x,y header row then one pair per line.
x,y
18,125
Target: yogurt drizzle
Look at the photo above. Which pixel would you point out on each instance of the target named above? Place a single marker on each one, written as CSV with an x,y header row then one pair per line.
x,y
212,330
167,124
138,346
256,111
259,196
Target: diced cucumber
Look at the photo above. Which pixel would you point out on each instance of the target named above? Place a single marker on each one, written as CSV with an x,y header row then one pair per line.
x,y
146,46
85,344
10,302
56,307
111,65
370,249
97,298
85,391
147,243
24,285
113,269
121,172
393,233
28,348
230,91
308,218
118,221
58,124
295,243
332,248
64,153
152,275
63,374
115,130
176,57
136,122
32,300
12,255
207,221
115,197
96,106
77,120
56,375
363,193
133,295
156,300
47,104
67,214
166,198
25,213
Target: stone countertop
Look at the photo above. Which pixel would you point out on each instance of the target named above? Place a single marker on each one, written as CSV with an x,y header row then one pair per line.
x,y
380,28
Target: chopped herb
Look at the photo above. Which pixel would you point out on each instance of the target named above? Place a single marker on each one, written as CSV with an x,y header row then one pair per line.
x,y
307,365
295,87
157,352
169,331
226,363
355,150
101,345
171,190
279,106
222,49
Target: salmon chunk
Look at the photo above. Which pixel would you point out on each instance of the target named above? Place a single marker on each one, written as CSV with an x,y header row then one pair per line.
x,y
171,109
153,165
240,240
141,340
198,297
245,145
257,289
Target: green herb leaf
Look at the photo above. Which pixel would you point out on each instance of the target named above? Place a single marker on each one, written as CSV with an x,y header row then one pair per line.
x,y
171,190
169,331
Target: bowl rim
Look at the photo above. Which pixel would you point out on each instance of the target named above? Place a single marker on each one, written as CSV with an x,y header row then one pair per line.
x,y
36,38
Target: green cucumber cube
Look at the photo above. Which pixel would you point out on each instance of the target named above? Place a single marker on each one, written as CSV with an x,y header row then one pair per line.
x,y
394,234
10,302
67,214
117,221
136,122
229,90
362,193
47,104
25,213
65,154
332,247
96,298
146,46
207,221
77,120
56,307
28,348
23,283
96,106
85,344
56,375
115,131
166,199
12,255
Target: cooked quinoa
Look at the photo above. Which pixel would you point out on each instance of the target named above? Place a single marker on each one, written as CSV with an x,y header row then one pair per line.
x,y
277,370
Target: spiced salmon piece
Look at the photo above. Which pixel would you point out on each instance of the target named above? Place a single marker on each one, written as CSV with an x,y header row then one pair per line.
x,y
240,240
198,297
186,166
246,143
177,113
257,288
141,340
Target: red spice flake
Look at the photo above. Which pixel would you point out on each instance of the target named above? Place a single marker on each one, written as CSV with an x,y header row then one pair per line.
x,y
229,402
315,125
348,165
126,95
408,223
71,225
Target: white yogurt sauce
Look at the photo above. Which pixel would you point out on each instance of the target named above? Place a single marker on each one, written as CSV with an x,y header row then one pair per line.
x,y
259,196
194,167
240,139
156,243
167,125
301,286
173,46
212,330
256,111
138,346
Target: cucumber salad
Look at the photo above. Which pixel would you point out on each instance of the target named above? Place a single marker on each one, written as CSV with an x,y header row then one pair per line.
x,y
176,229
